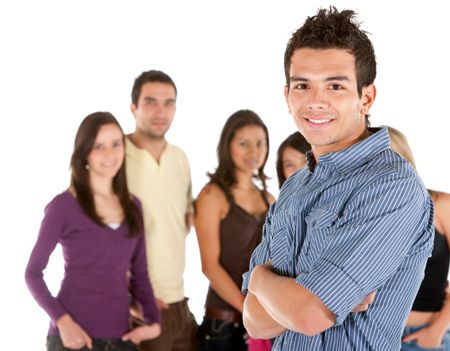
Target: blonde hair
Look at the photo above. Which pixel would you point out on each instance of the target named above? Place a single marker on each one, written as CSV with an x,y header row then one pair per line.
x,y
400,145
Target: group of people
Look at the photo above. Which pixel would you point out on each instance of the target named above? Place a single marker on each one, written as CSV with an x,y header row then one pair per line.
x,y
340,261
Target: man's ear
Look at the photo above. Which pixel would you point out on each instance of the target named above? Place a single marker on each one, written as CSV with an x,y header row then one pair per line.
x,y
286,95
133,108
368,95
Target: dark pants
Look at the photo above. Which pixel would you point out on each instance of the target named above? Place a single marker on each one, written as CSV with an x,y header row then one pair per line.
x,y
178,330
218,335
54,343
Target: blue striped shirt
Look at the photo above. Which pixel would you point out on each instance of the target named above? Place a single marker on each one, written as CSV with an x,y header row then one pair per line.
x,y
362,221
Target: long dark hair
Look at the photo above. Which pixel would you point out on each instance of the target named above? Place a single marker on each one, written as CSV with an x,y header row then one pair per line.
x,y
79,180
224,175
295,141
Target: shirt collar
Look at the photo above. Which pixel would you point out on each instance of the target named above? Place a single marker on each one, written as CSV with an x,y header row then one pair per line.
x,y
355,155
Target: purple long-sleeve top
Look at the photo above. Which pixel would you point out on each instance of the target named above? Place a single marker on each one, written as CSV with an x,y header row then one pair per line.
x,y
94,290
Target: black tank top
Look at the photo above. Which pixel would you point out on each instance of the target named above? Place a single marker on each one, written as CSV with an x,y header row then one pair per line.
x,y
431,295
240,233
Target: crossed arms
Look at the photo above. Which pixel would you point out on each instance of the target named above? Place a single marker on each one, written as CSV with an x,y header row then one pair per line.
x,y
268,314
344,276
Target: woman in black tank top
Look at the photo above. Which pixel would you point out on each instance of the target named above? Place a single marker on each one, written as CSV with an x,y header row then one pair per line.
x,y
428,323
229,214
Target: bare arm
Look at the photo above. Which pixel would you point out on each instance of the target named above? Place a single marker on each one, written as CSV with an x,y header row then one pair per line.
x,y
210,207
261,325
288,303
258,323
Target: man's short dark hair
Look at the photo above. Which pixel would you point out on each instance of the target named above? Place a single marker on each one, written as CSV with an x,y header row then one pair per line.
x,y
148,77
331,29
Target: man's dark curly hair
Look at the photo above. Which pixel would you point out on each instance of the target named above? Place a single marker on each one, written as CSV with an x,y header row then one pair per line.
x,y
331,29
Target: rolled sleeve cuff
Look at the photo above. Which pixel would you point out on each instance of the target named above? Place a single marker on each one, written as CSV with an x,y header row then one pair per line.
x,y
334,287
245,281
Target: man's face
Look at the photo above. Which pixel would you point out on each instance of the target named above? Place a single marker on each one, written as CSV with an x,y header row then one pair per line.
x,y
323,98
155,109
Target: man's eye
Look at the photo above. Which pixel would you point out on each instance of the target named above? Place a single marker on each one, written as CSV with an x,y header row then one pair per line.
x,y
336,87
302,86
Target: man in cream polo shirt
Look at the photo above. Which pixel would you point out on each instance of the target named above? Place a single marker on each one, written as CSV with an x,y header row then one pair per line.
x,y
158,174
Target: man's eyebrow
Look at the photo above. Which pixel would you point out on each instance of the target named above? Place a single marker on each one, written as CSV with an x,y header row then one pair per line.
x,y
302,79
337,78
298,79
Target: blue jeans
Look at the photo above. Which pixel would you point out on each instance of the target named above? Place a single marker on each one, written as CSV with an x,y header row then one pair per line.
x,y
412,345
218,335
54,343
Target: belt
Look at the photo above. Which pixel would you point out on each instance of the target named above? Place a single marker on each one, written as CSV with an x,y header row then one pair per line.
x,y
224,315
179,304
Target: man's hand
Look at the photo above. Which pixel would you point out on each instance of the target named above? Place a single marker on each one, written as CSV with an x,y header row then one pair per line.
x,y
161,304
364,305
145,332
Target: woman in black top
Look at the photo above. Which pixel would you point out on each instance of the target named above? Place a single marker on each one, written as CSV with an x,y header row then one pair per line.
x,y
229,214
429,320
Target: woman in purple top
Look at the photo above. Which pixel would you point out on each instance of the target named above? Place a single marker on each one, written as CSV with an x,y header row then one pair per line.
x,y
99,226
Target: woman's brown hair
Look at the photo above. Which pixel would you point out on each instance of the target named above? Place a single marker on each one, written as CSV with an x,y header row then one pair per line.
x,y
79,181
224,176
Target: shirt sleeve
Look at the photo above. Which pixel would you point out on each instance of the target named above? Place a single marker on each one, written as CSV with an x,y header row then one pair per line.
x,y
140,283
382,225
51,230
261,254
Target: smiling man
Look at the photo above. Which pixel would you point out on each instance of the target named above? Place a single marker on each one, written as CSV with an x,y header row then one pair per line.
x,y
357,220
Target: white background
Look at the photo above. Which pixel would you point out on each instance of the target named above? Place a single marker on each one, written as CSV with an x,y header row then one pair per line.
x,y
62,60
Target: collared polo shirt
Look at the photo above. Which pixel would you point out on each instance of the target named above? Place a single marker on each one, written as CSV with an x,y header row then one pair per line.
x,y
361,221
165,191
